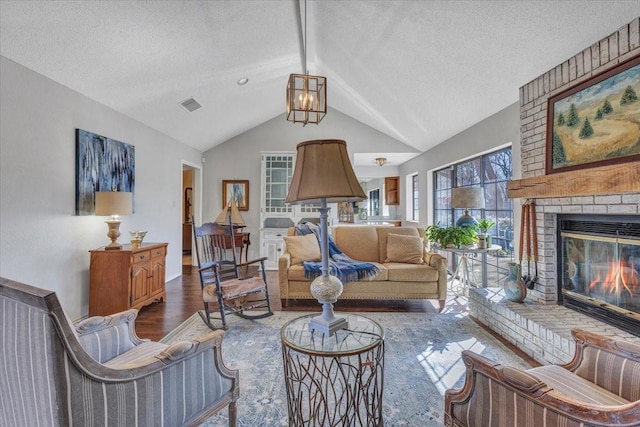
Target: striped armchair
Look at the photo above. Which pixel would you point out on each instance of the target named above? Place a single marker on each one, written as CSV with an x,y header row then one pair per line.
x,y
599,387
98,372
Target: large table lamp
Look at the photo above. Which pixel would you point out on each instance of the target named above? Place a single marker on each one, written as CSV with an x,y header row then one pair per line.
x,y
467,198
113,204
323,174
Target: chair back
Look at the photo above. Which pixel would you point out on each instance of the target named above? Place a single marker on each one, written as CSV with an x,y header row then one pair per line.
x,y
215,245
32,331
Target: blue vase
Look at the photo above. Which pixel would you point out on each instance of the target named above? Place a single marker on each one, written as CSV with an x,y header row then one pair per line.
x,y
514,287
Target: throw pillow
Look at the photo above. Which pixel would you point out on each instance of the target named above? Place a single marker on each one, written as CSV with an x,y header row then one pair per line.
x,y
406,249
303,248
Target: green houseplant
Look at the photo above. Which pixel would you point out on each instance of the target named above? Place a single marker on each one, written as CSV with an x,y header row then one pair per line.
x,y
446,237
483,227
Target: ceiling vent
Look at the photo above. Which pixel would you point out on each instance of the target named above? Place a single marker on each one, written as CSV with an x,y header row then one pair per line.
x,y
190,105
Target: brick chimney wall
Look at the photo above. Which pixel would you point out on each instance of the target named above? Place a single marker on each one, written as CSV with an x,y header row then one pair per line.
x,y
620,46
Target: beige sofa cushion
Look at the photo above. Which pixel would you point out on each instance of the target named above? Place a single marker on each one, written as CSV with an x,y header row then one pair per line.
x,y
296,272
303,248
401,272
407,249
383,232
357,242
571,385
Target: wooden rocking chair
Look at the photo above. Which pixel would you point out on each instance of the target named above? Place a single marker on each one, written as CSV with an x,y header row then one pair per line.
x,y
220,279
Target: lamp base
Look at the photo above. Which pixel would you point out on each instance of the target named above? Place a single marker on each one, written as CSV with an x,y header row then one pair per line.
x,y
327,289
113,234
466,220
327,322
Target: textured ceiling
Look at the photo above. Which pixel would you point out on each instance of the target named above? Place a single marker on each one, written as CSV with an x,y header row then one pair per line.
x,y
418,71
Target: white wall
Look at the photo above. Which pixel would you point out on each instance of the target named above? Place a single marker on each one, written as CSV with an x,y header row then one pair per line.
x,y
239,158
497,130
42,242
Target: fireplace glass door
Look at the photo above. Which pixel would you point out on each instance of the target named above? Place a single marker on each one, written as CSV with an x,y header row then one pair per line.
x,y
601,270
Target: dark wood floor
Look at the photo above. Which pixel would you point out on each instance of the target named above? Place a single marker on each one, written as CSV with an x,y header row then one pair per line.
x,y
184,298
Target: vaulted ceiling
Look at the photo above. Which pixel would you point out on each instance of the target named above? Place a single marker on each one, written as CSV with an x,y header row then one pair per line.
x,y
418,71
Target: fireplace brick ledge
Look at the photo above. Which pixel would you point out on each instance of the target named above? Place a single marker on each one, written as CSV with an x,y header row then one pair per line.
x,y
542,331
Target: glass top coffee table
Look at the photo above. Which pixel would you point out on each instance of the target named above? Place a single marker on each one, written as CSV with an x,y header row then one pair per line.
x,y
337,380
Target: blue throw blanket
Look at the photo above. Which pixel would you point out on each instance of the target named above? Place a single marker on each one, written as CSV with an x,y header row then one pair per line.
x,y
340,265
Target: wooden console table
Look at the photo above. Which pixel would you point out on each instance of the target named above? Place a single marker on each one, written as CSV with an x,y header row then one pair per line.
x,y
127,278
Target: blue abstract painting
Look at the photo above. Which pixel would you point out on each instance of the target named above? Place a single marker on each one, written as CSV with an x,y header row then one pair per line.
x,y
102,164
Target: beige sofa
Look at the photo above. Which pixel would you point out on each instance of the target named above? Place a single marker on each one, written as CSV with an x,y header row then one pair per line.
x,y
396,280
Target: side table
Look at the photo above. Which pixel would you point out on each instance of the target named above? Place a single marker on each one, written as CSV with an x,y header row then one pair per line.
x,y
337,380
464,272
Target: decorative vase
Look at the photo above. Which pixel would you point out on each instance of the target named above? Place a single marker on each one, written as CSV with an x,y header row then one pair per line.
x,y
514,286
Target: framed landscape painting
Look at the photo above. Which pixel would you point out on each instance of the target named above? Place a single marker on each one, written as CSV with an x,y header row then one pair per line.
x,y
596,123
239,190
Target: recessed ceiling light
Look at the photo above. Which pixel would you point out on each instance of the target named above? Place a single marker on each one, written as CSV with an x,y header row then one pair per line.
x,y
243,81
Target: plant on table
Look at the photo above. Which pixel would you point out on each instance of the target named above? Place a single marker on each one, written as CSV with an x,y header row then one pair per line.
x,y
450,237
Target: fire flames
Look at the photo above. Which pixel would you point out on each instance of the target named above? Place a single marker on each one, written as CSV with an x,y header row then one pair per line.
x,y
619,276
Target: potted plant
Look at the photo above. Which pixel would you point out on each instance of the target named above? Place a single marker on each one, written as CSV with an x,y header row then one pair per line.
x,y
450,237
434,234
483,227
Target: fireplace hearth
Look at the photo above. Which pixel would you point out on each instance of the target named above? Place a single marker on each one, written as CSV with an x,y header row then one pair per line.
x,y
599,274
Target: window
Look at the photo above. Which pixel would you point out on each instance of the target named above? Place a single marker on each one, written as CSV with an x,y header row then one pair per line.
x,y
491,171
414,198
374,202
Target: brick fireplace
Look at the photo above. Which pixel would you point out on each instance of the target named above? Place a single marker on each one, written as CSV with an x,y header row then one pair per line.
x,y
541,327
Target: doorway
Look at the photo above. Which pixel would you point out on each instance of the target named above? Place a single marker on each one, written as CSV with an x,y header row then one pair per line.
x,y
191,202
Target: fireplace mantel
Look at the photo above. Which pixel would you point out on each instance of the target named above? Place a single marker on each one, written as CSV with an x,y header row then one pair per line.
x,y
611,179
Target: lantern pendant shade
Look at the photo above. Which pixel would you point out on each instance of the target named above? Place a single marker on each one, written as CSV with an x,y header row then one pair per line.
x,y
306,98
323,171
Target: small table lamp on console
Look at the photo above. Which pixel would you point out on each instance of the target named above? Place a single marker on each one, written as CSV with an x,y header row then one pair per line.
x,y
113,204
323,173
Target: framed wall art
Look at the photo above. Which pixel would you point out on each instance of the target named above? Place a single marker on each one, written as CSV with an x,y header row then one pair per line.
x,y
239,190
596,123
102,164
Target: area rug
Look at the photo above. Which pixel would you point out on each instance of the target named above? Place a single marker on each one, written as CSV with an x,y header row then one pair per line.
x,y
422,360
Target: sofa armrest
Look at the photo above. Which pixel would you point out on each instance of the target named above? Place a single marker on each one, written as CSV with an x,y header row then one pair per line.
x,y
438,262
493,392
284,262
611,364
106,337
176,352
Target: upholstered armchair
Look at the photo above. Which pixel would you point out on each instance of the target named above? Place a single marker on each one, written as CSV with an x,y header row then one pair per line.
x,y
600,386
98,372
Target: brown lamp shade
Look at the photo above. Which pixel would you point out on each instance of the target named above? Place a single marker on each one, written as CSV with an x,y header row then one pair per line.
x,y
109,203
323,171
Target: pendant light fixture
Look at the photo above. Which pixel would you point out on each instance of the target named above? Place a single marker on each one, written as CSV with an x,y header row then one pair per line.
x,y
306,94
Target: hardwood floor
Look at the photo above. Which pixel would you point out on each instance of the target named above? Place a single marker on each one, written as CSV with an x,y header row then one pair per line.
x,y
184,298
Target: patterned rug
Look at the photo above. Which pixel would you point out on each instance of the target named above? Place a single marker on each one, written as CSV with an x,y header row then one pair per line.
x,y
422,360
